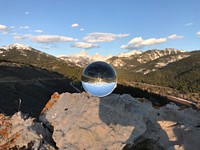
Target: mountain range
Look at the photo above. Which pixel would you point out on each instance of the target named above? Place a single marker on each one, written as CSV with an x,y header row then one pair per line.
x,y
82,59
136,61
170,67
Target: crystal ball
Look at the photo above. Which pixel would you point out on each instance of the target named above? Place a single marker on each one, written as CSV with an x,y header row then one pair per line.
x,y
99,79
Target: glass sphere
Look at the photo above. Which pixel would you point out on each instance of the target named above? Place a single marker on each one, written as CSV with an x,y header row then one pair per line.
x,y
99,79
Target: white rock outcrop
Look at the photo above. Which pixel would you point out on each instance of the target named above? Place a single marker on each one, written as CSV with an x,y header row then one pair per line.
x,y
81,121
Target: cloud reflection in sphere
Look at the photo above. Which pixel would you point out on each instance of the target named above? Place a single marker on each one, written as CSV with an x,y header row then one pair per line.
x,y
99,79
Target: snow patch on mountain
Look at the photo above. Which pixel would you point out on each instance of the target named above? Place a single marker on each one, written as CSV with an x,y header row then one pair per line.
x,y
19,47
4,48
118,63
128,54
83,53
170,59
23,54
95,57
83,58
155,54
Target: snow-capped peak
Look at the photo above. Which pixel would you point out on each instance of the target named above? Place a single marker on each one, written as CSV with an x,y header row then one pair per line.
x,y
95,57
127,54
19,46
83,58
174,50
83,53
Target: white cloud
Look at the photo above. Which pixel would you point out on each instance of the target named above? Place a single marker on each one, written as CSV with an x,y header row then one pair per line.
x,y
24,27
82,29
38,31
151,41
121,35
84,45
198,33
74,25
126,47
102,37
47,46
12,27
3,27
22,37
139,42
27,13
135,40
189,24
19,37
51,39
174,36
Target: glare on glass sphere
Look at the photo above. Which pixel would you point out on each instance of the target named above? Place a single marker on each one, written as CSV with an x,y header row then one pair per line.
x,y
99,79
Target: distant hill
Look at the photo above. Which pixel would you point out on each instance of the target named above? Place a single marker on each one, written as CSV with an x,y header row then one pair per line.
x,y
179,70
26,55
148,61
183,74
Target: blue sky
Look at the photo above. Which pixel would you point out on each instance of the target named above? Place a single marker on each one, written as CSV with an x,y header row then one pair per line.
x,y
100,26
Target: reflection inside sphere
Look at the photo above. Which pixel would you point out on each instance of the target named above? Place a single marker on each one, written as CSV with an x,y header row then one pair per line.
x,y
99,79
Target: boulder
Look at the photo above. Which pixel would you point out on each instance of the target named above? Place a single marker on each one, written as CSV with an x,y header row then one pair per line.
x,y
81,121
20,132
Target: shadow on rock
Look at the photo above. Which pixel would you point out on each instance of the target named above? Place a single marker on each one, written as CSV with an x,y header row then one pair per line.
x,y
151,129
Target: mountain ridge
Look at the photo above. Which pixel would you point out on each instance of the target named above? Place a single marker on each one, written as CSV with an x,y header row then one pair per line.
x,y
152,66
120,60
26,55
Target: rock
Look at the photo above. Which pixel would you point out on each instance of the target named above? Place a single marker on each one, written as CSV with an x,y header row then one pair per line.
x,y
19,132
81,121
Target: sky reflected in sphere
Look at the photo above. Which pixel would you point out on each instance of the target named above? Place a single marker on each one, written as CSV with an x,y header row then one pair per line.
x,y
99,79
